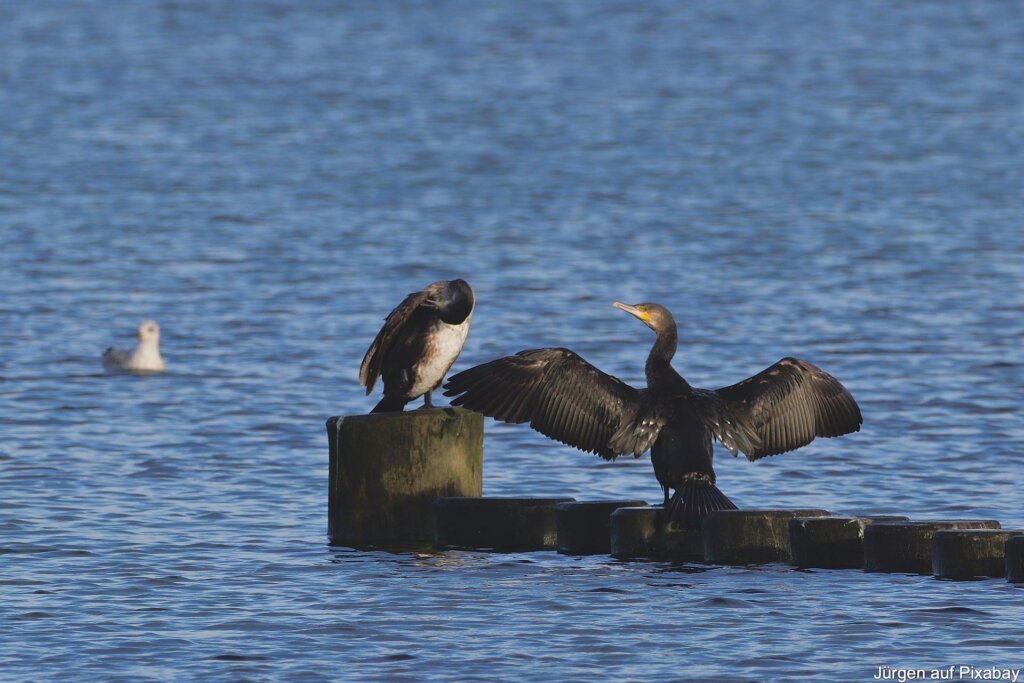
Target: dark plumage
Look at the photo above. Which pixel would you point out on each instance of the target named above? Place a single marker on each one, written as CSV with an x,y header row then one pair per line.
x,y
562,396
418,343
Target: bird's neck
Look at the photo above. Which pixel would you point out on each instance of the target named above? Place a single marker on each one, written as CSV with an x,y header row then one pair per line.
x,y
660,373
148,351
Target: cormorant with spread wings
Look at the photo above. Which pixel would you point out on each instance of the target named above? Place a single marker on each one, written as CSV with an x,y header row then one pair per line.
x,y
567,399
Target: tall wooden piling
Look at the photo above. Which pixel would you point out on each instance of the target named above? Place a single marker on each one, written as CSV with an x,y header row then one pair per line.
x,y
386,470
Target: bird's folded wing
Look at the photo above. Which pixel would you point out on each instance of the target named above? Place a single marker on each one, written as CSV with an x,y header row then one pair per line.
x,y
115,358
561,395
369,370
790,403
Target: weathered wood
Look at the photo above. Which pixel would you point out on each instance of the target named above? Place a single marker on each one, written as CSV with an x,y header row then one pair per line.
x,y
906,547
584,528
750,536
646,532
501,524
1015,559
386,470
831,542
970,553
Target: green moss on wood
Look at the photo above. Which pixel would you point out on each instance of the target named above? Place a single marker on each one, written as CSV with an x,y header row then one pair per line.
x,y
387,469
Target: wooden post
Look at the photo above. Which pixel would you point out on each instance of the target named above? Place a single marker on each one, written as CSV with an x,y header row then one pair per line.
x,y
831,542
647,532
386,470
906,547
584,527
970,553
502,524
1015,559
750,536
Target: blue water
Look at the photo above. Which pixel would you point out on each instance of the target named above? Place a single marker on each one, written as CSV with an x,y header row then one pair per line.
x,y
839,181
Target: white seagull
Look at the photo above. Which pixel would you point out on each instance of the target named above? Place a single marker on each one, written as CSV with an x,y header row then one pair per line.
x,y
143,358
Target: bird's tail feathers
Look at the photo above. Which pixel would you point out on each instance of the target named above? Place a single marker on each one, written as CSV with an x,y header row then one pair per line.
x,y
692,501
390,404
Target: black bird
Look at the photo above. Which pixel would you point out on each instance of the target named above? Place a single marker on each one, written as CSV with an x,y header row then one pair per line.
x,y
418,343
566,398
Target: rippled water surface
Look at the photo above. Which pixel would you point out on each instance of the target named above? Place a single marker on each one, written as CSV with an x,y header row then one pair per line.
x,y
838,181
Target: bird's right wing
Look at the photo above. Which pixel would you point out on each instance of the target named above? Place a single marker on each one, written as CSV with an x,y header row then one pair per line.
x,y
369,370
563,397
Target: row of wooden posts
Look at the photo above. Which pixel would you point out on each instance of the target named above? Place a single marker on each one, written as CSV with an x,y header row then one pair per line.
x,y
413,479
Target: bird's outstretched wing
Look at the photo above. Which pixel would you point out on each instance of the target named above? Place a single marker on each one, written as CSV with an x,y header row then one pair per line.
x,y
563,397
790,403
731,432
369,370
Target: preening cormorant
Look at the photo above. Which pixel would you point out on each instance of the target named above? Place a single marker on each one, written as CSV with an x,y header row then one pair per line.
x,y
144,358
566,398
419,341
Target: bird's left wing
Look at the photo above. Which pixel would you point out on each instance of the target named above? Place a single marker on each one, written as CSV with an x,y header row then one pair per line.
x,y
369,369
790,403
563,397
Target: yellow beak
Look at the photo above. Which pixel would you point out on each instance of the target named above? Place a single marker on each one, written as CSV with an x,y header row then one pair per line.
x,y
633,311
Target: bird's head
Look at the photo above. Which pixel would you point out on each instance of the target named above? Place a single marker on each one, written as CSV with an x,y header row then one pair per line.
x,y
453,299
148,331
654,316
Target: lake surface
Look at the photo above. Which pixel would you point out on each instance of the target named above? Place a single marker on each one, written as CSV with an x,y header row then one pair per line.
x,y
843,182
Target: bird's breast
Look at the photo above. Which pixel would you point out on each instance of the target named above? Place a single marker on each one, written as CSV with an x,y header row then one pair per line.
x,y
441,346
